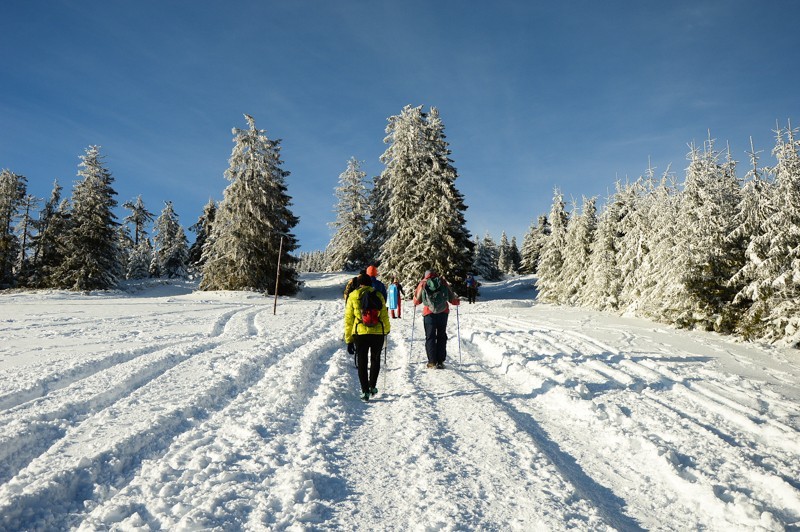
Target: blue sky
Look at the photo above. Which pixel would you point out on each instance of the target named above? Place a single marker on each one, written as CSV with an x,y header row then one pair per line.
x,y
534,95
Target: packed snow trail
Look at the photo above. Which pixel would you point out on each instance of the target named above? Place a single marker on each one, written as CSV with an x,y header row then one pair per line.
x,y
174,409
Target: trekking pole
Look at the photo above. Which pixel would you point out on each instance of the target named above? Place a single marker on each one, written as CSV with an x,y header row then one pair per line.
x,y
385,359
458,329
413,322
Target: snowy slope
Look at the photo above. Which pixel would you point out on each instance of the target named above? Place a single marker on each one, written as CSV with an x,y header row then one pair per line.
x,y
168,408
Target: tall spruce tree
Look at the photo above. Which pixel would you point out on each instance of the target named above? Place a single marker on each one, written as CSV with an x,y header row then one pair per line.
x,y
91,257
425,225
348,248
551,260
579,238
202,229
171,252
532,244
487,258
13,188
48,228
139,217
252,219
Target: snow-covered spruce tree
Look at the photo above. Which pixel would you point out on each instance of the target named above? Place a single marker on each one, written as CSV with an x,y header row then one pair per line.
x,y
44,242
603,279
253,216
708,204
656,284
170,250
580,236
12,192
532,244
140,259
202,229
516,256
25,234
139,218
425,225
779,272
551,259
634,228
487,257
91,257
752,287
348,248
504,263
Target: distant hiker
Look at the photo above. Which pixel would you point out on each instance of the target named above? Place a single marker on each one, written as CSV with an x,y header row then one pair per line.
x,y
372,271
435,294
395,300
352,284
472,288
365,327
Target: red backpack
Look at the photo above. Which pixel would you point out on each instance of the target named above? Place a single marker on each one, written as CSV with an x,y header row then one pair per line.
x,y
371,306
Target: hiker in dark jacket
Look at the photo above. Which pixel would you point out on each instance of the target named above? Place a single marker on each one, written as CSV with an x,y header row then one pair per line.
x,y
352,284
365,341
372,271
435,294
472,288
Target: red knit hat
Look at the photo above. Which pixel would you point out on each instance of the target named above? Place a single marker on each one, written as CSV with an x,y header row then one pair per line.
x,y
372,271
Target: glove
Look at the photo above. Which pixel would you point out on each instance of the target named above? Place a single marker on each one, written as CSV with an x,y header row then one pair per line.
x,y
351,348
456,302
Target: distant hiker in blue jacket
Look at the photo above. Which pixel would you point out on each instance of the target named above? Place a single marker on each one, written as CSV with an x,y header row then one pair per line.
x,y
395,300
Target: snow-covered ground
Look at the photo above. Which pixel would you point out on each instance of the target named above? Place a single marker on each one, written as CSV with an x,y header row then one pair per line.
x,y
169,408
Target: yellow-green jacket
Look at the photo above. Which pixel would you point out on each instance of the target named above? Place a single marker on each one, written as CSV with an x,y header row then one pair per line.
x,y
352,316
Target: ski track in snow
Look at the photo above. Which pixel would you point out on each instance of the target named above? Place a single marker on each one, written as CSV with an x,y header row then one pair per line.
x,y
206,411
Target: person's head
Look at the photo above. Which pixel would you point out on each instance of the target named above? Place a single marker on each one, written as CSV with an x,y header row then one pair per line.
x,y
364,280
372,271
430,274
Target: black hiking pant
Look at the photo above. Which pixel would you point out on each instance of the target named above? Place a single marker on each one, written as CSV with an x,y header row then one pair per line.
x,y
368,348
436,337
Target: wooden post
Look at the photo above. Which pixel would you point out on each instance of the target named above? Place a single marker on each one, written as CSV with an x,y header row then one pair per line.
x,y
277,278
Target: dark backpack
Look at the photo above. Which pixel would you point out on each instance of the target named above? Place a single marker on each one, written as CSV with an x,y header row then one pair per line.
x,y
371,306
434,295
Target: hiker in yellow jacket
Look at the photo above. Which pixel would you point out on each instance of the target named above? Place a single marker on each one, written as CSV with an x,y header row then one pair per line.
x,y
364,330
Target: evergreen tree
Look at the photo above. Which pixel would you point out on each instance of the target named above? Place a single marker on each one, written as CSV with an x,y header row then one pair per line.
x,y
253,218
348,248
91,257
755,209
424,224
551,259
139,217
579,238
49,226
13,188
656,283
25,229
504,261
779,271
140,260
709,201
516,256
202,228
532,244
603,278
170,253
487,256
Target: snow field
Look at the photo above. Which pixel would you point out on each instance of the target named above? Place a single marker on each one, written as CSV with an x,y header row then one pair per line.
x,y
181,410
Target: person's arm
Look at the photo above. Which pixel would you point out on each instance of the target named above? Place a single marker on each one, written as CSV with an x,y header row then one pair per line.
x,y
417,293
348,321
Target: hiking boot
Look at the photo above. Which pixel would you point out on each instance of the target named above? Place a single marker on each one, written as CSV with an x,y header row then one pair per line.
x,y
365,396
430,365
440,365
373,391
